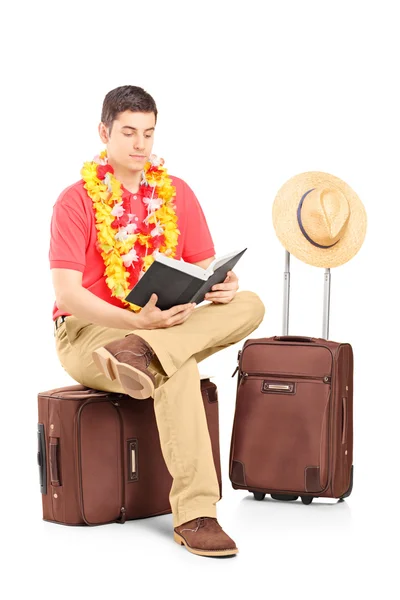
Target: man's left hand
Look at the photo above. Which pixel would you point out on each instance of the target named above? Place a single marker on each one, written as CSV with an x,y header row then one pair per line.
x,y
223,293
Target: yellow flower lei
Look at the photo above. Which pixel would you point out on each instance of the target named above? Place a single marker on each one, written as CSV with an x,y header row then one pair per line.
x,y
106,194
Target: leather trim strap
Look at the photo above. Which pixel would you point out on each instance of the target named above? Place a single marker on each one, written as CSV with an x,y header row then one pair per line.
x,y
53,460
344,420
311,479
237,474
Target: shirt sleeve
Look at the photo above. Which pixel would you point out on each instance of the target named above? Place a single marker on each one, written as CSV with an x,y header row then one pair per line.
x,y
68,233
197,241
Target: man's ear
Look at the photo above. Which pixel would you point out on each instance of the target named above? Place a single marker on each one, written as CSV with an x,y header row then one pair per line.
x,y
103,133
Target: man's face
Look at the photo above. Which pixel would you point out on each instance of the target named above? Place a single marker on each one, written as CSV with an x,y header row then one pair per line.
x,y
131,141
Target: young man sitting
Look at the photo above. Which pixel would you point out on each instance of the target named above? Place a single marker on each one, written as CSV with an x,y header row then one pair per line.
x,y
105,231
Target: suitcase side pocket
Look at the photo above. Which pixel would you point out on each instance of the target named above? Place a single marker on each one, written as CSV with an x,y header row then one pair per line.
x,y
100,457
281,431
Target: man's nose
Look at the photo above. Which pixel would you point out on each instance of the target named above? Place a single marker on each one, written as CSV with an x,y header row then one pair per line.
x,y
139,142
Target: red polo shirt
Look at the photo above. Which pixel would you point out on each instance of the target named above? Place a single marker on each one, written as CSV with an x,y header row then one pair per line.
x,y
73,235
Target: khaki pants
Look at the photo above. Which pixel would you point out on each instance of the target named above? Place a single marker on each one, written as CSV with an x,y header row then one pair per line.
x,y
178,405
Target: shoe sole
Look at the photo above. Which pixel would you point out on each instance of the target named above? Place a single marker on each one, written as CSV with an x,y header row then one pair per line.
x,y
181,541
135,383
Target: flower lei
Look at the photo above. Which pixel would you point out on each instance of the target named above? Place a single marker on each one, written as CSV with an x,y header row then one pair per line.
x,y
130,251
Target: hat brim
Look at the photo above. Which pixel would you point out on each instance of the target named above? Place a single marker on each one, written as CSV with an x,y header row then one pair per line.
x,y
284,217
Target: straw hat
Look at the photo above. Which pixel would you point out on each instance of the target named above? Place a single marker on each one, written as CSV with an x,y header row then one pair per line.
x,y
319,219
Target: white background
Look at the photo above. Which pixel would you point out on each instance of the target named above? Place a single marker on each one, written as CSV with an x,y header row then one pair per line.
x,y
249,94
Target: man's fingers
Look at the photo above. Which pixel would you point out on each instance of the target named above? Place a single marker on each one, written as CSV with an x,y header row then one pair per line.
x,y
224,286
213,295
174,310
179,318
153,300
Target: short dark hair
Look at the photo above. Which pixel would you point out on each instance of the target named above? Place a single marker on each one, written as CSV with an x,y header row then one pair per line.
x,y
126,97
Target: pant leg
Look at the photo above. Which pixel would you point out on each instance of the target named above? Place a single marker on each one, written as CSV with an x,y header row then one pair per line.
x,y
76,339
179,408
209,329
178,405
186,444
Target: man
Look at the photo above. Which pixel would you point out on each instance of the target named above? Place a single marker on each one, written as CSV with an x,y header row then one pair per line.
x,y
104,344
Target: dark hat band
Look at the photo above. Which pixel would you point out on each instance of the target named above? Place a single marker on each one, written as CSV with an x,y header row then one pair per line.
x,y
303,231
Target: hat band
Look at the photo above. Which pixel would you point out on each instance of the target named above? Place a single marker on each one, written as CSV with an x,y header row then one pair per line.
x,y
303,231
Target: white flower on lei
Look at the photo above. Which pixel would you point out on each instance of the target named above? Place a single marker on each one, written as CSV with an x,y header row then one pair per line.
x,y
158,230
131,228
156,161
118,209
144,180
99,161
124,232
153,204
122,235
129,258
107,182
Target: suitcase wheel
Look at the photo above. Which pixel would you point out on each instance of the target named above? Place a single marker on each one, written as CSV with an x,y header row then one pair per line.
x,y
307,499
284,497
258,495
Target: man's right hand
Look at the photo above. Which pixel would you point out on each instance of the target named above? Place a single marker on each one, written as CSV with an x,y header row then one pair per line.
x,y
152,317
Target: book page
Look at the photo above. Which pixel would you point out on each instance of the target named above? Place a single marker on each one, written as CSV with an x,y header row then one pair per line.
x,y
183,266
220,260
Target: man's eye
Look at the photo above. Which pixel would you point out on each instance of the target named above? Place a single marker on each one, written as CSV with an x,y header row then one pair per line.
x,y
130,135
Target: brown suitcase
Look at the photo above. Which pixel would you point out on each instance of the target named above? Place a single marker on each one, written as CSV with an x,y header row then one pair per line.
x,y
100,458
293,425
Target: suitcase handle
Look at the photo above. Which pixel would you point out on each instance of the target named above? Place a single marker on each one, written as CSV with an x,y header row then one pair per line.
x,y
293,338
286,294
41,458
53,446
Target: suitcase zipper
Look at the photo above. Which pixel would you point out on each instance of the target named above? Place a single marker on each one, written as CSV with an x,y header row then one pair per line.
x,y
325,378
237,368
244,374
122,515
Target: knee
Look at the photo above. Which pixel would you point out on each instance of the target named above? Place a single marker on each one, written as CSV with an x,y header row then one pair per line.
x,y
255,304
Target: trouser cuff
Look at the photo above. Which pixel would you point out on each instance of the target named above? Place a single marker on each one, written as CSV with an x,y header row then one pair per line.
x,y
189,515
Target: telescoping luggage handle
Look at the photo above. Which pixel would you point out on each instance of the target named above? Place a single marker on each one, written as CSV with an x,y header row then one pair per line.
x,y
325,321
327,293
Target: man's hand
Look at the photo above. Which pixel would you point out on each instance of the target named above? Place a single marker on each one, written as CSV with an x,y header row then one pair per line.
x,y
152,317
223,293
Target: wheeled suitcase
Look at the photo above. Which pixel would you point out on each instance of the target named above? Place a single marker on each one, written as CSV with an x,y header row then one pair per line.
x,y
100,458
292,433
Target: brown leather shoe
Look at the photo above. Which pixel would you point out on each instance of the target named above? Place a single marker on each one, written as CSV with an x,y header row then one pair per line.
x,y
205,536
131,367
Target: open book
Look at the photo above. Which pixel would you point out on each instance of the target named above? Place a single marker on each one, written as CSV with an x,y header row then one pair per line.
x,y
178,282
